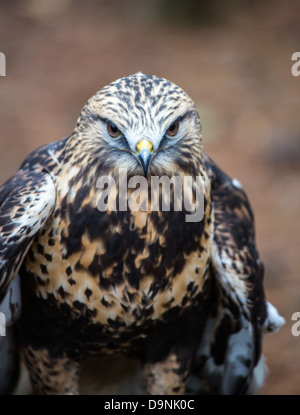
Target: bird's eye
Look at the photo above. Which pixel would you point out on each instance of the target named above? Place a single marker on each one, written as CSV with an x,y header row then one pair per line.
x,y
112,130
173,129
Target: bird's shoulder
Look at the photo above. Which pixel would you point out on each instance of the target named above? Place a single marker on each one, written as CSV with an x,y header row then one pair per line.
x,y
46,157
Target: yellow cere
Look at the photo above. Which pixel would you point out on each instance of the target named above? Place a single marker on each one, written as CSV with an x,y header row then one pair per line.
x,y
144,144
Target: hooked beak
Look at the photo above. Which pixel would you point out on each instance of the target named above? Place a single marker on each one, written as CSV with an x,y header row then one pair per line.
x,y
144,151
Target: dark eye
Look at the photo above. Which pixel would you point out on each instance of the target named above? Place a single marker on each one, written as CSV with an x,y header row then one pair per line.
x,y
173,129
112,130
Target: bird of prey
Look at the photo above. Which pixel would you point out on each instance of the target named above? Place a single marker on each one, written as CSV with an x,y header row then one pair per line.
x,y
184,297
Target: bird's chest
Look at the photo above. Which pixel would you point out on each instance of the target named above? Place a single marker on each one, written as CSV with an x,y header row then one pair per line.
x,y
120,268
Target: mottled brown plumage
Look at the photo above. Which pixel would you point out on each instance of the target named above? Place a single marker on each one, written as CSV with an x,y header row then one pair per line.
x,y
146,284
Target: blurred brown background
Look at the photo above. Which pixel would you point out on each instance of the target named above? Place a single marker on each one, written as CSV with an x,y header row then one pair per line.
x,y
234,60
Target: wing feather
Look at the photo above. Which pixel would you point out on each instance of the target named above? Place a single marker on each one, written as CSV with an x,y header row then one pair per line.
x,y
27,200
235,258
230,348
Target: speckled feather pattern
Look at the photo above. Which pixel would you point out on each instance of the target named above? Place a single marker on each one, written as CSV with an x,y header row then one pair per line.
x,y
145,284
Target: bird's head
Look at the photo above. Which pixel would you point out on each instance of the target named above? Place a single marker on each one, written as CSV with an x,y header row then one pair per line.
x,y
143,123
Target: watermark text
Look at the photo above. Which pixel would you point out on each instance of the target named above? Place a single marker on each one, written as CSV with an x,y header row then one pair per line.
x,y
296,326
296,66
2,64
165,193
2,325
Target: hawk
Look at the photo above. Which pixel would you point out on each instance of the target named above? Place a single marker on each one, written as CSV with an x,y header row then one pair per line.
x,y
184,297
